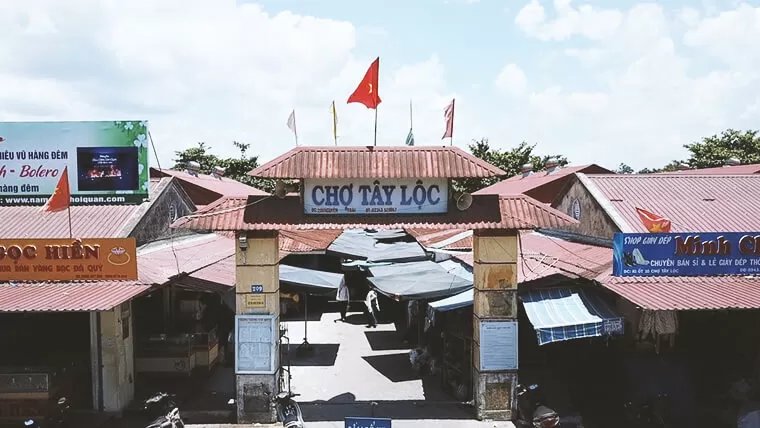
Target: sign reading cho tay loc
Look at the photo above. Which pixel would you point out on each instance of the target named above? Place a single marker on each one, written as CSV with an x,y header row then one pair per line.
x,y
367,196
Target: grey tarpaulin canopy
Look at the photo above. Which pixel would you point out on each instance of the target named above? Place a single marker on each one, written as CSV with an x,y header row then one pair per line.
x,y
359,244
310,281
417,281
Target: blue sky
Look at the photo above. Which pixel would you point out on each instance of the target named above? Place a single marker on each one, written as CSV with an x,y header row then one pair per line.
x,y
599,81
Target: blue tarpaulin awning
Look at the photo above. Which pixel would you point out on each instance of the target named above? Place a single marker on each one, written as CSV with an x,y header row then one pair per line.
x,y
559,314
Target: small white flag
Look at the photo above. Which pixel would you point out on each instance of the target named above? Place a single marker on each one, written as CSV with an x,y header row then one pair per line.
x,y
292,124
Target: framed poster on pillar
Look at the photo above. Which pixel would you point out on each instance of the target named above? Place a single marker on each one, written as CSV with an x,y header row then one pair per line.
x,y
255,344
498,345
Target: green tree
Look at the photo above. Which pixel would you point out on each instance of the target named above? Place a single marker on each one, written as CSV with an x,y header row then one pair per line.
x,y
671,167
511,161
236,168
624,169
715,150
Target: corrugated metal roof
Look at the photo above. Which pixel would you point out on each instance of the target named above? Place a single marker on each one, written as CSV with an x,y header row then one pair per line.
x,y
688,293
722,170
655,293
428,237
518,184
305,241
158,262
101,221
267,213
693,203
71,297
223,186
377,162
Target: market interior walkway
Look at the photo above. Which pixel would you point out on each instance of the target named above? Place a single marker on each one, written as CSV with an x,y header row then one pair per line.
x,y
354,366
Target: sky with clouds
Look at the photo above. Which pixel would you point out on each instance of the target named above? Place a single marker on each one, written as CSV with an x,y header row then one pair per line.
x,y
600,81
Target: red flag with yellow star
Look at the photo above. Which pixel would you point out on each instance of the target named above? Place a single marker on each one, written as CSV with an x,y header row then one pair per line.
x,y
59,200
366,92
653,222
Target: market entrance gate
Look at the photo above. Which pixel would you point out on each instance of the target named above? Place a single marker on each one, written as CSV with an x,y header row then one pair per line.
x,y
375,188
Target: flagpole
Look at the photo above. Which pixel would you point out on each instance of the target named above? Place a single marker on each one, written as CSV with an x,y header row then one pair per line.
x,y
71,234
335,123
411,117
295,127
376,125
453,112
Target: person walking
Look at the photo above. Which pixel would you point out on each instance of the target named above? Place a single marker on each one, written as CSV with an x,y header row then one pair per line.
x,y
344,299
371,302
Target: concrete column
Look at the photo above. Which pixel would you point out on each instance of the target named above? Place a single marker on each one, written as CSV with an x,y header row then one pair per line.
x,y
257,266
495,300
117,358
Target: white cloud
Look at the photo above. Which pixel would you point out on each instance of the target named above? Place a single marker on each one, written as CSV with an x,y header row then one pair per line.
x,y
512,80
585,20
203,70
644,94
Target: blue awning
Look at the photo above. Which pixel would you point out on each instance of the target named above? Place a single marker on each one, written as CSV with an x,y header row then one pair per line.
x,y
559,314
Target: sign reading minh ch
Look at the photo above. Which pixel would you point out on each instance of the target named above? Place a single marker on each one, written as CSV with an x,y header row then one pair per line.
x,y
376,196
107,162
686,254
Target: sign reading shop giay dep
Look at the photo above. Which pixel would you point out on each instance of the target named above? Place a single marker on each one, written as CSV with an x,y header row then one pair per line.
x,y
107,161
68,259
380,196
686,254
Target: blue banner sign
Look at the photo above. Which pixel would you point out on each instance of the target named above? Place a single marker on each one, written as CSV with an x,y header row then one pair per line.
x,y
367,422
686,254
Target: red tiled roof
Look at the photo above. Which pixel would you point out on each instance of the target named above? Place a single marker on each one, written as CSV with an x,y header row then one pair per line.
x,y
157,263
722,170
223,186
693,203
518,184
267,213
376,162
73,297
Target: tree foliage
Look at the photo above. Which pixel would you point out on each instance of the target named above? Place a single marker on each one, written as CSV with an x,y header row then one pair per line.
x,y
715,150
511,161
236,168
624,169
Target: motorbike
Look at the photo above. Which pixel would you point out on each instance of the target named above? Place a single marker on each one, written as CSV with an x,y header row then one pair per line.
x,y
531,412
288,410
166,407
56,419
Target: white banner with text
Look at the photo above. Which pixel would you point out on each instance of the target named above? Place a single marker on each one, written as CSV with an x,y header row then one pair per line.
x,y
376,196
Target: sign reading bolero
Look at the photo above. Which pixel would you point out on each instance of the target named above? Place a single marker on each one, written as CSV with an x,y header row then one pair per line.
x,y
68,259
367,196
107,161
686,254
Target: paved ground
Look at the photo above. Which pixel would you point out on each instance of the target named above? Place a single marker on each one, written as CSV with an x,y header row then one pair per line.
x,y
360,371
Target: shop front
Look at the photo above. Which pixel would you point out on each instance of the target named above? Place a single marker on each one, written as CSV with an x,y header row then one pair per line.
x,y
367,188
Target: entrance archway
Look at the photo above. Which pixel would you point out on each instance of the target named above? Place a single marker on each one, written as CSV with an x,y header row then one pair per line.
x,y
376,188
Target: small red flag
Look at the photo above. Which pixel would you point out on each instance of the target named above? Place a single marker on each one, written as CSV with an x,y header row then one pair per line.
x,y
448,114
59,200
366,93
653,222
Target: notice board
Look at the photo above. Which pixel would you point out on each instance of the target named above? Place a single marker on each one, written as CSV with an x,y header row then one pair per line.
x,y
255,344
498,345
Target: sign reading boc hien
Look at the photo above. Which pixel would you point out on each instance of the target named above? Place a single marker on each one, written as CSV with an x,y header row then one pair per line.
x,y
68,259
368,196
